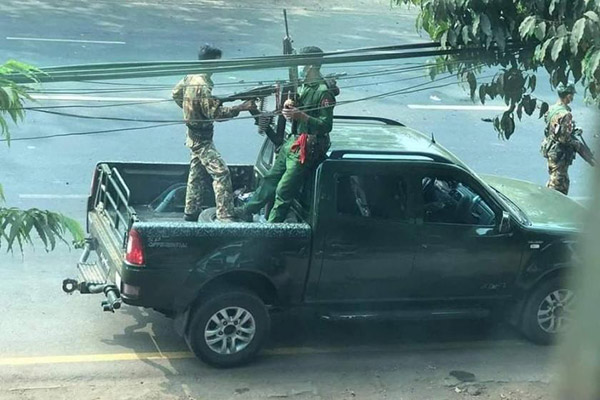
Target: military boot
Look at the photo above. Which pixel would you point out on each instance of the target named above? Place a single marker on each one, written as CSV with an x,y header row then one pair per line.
x,y
191,217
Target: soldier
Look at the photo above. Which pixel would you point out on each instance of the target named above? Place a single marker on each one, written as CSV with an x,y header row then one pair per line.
x,y
194,95
560,145
304,149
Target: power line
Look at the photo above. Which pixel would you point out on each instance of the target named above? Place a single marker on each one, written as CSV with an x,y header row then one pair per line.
x,y
409,90
87,132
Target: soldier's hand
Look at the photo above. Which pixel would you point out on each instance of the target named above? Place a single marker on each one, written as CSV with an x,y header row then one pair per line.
x,y
293,114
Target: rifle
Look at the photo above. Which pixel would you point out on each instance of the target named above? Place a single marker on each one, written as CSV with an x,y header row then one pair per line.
x,y
261,119
264,119
583,150
289,91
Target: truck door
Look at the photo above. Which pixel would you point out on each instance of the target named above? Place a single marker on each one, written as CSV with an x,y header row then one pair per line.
x,y
461,252
367,241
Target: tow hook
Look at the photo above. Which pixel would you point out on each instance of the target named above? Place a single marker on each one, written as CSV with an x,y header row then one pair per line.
x,y
70,285
113,299
113,296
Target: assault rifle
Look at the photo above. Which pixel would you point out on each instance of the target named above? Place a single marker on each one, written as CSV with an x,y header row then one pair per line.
x,y
583,150
264,119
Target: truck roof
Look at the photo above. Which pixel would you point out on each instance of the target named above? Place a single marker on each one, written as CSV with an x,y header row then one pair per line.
x,y
376,139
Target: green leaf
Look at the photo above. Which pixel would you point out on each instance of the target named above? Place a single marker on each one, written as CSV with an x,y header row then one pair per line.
x,y
541,51
507,125
553,5
476,25
532,82
472,80
577,35
520,110
593,16
543,109
592,65
557,48
486,25
529,104
527,27
499,37
482,90
540,31
465,35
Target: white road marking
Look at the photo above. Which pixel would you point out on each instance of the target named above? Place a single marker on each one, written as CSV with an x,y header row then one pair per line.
x,y
64,40
74,97
456,107
53,196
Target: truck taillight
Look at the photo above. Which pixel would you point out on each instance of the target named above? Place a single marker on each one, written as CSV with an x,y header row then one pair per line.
x,y
135,250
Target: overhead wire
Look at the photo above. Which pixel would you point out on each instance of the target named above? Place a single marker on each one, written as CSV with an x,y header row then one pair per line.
x,y
162,123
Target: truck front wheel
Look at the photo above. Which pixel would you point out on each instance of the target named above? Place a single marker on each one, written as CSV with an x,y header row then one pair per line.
x,y
548,312
228,328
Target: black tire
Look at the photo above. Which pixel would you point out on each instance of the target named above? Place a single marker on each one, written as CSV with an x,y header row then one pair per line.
x,y
208,215
530,326
229,299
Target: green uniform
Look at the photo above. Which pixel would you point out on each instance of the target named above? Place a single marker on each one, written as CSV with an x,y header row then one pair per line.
x,y
287,175
559,147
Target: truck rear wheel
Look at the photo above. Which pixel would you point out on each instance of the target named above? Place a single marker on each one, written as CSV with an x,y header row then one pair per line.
x,y
548,312
228,328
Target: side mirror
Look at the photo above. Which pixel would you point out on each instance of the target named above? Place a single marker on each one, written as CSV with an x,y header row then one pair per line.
x,y
504,225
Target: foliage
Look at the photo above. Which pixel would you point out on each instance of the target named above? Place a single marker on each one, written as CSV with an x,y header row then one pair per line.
x,y
521,36
17,226
13,95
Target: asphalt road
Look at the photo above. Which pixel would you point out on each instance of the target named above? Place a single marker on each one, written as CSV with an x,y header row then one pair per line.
x,y
135,353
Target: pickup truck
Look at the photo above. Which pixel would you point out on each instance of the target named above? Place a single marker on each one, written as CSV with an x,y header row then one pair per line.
x,y
390,226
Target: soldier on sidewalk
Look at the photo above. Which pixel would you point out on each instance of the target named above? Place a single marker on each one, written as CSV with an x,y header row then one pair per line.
x,y
200,109
560,145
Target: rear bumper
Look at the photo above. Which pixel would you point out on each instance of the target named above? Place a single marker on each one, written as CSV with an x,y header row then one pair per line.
x,y
148,287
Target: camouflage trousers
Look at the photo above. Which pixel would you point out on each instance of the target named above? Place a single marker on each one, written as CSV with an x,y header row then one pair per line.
x,y
559,176
206,160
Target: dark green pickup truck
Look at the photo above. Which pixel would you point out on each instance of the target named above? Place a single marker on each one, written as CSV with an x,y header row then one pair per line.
x,y
390,226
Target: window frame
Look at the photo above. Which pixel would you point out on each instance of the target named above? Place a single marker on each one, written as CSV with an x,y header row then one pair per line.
x,y
409,215
457,174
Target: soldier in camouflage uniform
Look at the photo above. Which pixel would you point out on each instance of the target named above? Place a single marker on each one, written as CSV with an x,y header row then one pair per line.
x,y
194,95
560,145
303,150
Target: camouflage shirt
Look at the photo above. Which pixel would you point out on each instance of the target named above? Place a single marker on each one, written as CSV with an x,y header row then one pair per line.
x,y
194,95
559,144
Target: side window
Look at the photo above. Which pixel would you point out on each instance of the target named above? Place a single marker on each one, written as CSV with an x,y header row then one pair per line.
x,y
373,196
448,201
267,155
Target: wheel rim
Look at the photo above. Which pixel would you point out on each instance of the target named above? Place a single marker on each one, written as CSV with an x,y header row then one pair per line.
x,y
555,311
230,330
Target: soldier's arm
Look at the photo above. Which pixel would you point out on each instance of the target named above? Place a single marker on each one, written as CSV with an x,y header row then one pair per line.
x,y
177,93
213,109
323,123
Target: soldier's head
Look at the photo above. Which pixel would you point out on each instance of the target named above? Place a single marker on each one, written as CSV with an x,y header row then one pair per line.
x,y
311,72
209,52
566,92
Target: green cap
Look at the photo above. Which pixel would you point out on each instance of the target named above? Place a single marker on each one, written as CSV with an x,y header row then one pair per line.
x,y
564,90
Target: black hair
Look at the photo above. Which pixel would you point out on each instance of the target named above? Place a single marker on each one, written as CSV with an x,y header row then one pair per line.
x,y
313,51
209,52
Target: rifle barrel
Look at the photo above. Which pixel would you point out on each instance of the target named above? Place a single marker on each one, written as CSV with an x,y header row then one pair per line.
x,y
287,32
